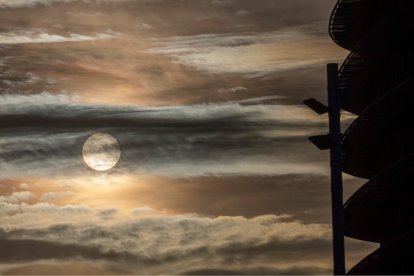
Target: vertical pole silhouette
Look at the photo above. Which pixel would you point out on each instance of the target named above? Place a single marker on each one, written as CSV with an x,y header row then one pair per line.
x,y
336,169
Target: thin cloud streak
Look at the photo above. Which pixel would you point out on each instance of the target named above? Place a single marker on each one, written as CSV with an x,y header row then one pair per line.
x,y
250,54
25,37
12,4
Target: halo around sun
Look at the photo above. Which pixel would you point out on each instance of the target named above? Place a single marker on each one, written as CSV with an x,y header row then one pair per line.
x,y
101,151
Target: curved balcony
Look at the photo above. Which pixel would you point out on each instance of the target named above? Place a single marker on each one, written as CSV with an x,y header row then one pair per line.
x,y
394,258
339,24
383,208
352,73
352,20
362,81
382,134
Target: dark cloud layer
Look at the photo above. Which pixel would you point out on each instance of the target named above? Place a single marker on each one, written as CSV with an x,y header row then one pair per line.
x,y
178,141
261,271
31,250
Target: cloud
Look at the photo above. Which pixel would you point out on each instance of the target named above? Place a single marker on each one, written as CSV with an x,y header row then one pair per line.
x,y
24,186
310,270
16,197
16,251
7,4
173,232
95,70
305,196
233,89
235,147
148,242
10,207
242,13
250,54
220,2
50,196
62,268
236,138
16,101
107,214
24,37
142,210
27,3
161,243
26,215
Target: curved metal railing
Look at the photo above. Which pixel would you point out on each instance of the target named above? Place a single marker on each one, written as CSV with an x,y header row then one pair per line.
x,y
339,21
367,110
351,64
334,29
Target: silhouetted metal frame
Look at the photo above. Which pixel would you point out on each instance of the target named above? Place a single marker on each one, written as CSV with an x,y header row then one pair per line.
x,y
333,142
334,111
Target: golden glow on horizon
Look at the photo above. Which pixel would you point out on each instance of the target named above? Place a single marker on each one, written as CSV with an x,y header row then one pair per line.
x,y
118,191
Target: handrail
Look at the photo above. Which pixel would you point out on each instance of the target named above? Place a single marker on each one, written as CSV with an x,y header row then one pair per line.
x,y
331,19
342,2
346,61
353,62
372,105
378,177
381,249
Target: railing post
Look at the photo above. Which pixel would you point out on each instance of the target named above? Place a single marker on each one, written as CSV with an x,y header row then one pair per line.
x,y
336,170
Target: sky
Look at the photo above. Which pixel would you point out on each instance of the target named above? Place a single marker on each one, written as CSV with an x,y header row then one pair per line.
x,y
216,175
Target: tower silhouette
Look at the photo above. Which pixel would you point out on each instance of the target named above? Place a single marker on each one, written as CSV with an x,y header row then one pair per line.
x,y
376,82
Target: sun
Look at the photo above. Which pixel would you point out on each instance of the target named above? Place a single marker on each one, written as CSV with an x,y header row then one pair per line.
x,y
101,151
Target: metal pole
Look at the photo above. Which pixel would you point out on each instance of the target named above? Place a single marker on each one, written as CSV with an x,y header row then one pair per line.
x,y
336,170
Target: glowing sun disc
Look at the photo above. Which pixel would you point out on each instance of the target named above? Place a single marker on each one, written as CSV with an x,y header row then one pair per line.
x,y
101,151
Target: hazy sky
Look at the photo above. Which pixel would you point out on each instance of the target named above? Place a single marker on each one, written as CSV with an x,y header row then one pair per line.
x,y
204,97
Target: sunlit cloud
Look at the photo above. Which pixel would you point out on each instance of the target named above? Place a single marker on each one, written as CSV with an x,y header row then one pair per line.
x,y
251,54
12,38
153,243
33,3
16,197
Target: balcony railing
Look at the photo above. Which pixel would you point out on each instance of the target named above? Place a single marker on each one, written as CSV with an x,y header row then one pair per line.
x,y
382,208
369,143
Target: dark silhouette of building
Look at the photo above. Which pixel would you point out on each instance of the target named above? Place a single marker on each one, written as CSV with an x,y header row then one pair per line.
x,y
376,82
